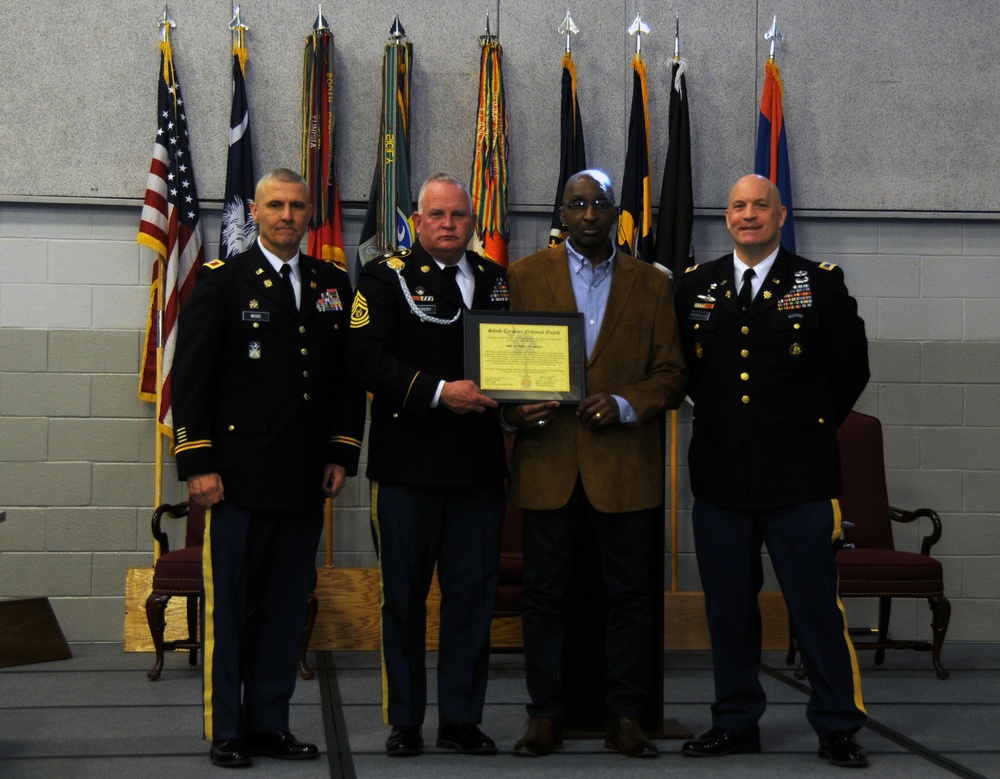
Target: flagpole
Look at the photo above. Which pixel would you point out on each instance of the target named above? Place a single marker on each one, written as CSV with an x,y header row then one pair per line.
x,y
165,24
674,448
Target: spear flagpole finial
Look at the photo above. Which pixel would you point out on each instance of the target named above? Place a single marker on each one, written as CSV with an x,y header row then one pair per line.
x,y
568,28
638,28
238,26
397,30
165,24
321,24
774,36
677,36
488,35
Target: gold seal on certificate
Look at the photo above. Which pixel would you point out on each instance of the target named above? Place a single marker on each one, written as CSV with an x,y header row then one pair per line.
x,y
525,356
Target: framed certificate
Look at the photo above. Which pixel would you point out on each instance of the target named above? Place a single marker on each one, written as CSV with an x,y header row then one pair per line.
x,y
526,356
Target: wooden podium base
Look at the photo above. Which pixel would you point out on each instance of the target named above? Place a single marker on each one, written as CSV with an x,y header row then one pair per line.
x,y
30,633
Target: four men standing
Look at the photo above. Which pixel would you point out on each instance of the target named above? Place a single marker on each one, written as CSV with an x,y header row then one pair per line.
x,y
270,415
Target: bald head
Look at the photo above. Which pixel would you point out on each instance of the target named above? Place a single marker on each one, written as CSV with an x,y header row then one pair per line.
x,y
602,179
754,217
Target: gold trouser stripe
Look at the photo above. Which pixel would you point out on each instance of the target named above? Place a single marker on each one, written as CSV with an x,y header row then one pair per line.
x,y
381,603
208,640
855,671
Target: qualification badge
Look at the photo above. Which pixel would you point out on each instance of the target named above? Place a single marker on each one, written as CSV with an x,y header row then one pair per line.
x,y
254,350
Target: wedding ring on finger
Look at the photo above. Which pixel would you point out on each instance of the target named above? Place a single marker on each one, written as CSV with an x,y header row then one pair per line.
x,y
541,423
597,415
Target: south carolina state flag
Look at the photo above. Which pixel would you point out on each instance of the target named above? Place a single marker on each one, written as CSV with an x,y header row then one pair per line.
x,y
772,148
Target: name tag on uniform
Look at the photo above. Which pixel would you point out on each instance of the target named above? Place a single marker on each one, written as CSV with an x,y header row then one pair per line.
x,y
700,316
256,316
428,309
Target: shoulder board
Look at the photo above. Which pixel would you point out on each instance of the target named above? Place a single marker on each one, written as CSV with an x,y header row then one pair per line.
x,y
214,264
827,266
393,254
693,267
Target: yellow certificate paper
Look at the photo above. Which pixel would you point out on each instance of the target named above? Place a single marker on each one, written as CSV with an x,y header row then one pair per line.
x,y
525,356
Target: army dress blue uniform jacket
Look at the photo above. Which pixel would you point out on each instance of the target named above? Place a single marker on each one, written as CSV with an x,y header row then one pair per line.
x,y
771,387
261,392
401,359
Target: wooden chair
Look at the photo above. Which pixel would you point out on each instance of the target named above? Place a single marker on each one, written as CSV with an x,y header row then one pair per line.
x,y
868,563
179,573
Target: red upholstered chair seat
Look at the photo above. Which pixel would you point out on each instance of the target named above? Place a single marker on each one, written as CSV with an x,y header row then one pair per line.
x,y
179,573
877,572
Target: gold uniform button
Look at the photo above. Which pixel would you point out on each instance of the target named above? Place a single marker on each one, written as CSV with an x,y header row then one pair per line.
x,y
744,352
796,326
697,327
822,421
305,396
745,398
336,327
395,415
744,329
232,428
302,328
744,377
256,325
305,374
304,351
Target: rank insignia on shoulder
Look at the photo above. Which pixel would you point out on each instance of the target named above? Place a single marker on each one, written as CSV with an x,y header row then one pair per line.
x,y
827,265
214,264
688,270
394,258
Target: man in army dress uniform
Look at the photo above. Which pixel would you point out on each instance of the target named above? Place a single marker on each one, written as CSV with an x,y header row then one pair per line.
x,y
778,357
436,463
267,422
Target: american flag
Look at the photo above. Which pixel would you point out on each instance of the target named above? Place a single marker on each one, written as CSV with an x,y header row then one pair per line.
x,y
170,226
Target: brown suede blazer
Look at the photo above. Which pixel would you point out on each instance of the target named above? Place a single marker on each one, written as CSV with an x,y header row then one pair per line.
x,y
637,356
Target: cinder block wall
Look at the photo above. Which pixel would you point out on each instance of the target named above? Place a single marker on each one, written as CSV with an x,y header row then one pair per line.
x,y
77,447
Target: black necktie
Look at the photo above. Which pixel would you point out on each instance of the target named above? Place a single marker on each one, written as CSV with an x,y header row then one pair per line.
x,y
746,290
451,281
286,282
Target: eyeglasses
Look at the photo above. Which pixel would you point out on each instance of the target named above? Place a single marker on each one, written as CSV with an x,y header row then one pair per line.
x,y
580,206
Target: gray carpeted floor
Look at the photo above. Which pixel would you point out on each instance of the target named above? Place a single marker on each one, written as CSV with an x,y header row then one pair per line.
x,y
96,715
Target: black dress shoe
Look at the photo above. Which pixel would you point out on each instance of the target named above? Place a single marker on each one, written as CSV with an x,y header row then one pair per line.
x,y
282,745
543,736
718,742
625,735
466,740
404,741
230,753
841,748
